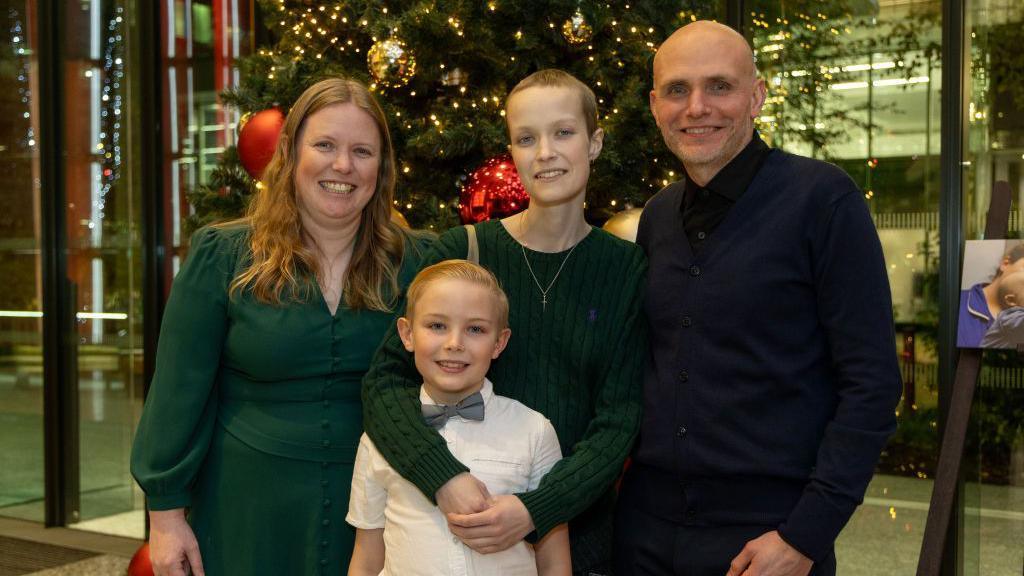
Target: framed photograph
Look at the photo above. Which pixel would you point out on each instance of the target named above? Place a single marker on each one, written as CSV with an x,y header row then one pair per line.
x,y
992,295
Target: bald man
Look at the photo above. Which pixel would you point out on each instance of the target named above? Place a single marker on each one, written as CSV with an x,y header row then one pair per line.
x,y
772,381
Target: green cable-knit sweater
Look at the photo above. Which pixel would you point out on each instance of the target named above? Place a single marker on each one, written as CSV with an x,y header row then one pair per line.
x,y
578,360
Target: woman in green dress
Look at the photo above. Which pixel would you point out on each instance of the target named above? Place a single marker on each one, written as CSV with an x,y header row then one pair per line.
x,y
249,432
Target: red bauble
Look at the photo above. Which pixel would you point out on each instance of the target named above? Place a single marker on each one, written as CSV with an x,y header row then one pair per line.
x,y
140,564
258,139
493,190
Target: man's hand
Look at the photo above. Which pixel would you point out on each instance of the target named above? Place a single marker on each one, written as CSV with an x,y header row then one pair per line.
x,y
769,555
173,549
463,494
495,529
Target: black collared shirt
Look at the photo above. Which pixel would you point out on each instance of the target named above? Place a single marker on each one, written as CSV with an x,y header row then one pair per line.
x,y
705,207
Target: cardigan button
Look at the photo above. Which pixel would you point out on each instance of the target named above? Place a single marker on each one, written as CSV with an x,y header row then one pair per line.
x,y
681,432
694,270
687,322
684,375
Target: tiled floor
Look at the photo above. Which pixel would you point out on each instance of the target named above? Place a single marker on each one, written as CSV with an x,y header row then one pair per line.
x,y
882,539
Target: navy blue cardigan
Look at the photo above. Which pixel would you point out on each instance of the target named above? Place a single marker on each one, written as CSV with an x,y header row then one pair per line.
x,y
772,382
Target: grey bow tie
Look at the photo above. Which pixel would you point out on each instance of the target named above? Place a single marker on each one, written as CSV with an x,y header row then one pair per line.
x,y
471,408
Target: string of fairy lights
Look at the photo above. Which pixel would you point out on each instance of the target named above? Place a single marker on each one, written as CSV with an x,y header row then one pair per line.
x,y
333,30
20,50
112,98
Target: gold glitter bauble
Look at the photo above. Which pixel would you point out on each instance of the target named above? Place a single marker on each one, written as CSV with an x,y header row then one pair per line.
x,y
576,29
624,224
391,64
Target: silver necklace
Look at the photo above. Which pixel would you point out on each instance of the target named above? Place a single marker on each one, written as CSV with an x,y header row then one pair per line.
x,y
544,291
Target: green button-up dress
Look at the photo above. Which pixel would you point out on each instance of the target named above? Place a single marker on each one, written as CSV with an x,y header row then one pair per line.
x,y
254,415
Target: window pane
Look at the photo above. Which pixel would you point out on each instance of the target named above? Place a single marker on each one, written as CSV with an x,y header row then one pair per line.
x,y
198,64
21,356
857,83
994,151
103,226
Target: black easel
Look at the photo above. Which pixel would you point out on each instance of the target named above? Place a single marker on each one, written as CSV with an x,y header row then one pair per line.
x,y
952,451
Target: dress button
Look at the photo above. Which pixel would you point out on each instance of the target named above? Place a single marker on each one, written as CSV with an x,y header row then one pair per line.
x,y
323,562
325,424
323,482
323,543
681,431
684,375
326,522
687,322
326,443
327,403
327,502
694,270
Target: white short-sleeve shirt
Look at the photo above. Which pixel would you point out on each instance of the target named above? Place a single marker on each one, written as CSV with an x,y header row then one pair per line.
x,y
510,450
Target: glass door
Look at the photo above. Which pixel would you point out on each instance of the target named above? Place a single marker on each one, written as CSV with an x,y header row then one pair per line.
x,y
103,229
21,312
994,151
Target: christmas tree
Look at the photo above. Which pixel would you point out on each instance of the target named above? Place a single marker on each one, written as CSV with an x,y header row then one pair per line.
x,y
441,70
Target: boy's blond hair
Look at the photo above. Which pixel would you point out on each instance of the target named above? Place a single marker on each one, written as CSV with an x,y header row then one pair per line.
x,y
458,270
555,78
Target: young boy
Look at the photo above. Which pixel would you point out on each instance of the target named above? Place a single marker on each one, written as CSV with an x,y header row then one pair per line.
x,y
456,322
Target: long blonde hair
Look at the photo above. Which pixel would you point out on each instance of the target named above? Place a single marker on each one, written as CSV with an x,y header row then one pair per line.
x,y
279,255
